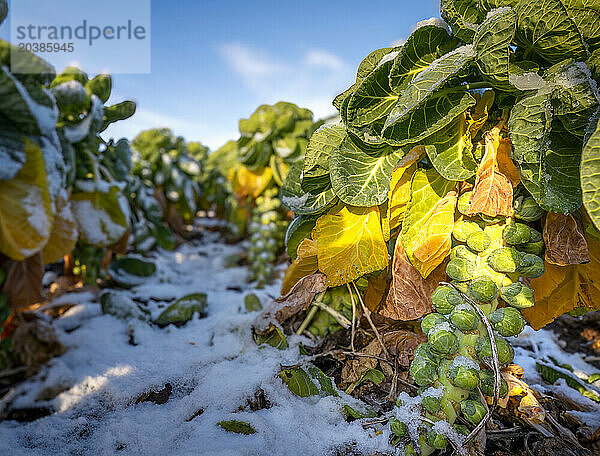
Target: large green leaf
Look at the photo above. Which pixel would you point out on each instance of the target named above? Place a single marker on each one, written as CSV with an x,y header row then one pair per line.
x,y
315,176
424,45
101,211
575,95
463,16
450,151
492,45
428,82
590,176
546,29
300,201
586,15
546,155
359,178
372,61
373,97
12,153
437,111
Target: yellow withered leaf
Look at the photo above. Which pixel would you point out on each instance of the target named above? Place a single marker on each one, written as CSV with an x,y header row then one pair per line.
x,y
350,243
251,183
64,232
564,288
505,164
305,264
493,191
399,195
480,112
25,211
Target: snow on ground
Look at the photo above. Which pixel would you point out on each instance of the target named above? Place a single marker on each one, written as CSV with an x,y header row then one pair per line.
x,y
212,364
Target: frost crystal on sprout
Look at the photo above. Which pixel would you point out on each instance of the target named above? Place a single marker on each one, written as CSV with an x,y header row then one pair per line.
x,y
444,326
463,306
409,413
436,393
467,363
444,428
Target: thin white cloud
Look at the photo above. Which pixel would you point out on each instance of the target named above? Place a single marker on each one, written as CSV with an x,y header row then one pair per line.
x,y
322,58
310,80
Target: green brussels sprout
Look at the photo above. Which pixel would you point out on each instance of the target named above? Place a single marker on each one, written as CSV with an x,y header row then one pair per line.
x,y
504,259
464,229
479,241
437,441
508,321
483,289
424,351
486,383
460,269
527,209
473,411
517,295
464,317
535,248
461,429
423,371
535,235
462,251
483,348
445,298
532,266
409,450
431,404
462,286
516,233
72,100
398,427
464,373
431,320
442,340
464,202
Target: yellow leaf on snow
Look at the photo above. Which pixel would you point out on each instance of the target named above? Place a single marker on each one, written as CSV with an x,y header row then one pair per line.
x,y
25,211
564,288
64,232
305,264
250,183
493,192
350,243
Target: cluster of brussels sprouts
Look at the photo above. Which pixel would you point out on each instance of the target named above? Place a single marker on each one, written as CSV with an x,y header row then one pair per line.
x,y
267,231
487,260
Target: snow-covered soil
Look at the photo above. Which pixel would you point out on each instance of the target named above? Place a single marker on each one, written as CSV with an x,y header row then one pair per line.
x,y
212,364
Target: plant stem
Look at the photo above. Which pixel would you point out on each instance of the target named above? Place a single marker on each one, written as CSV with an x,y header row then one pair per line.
x,y
343,321
310,315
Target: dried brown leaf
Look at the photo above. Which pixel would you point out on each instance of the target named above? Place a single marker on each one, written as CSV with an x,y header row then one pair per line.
x,y
565,240
409,296
376,290
300,296
402,344
36,343
355,368
23,283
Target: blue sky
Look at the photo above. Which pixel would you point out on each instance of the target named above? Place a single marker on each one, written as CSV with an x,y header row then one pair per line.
x,y
214,62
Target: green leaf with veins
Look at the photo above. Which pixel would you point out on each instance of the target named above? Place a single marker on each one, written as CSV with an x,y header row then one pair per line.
x,y
359,178
373,97
424,45
340,102
450,151
575,96
545,29
492,45
437,112
315,176
590,176
463,16
372,61
300,201
299,382
428,82
546,155
586,15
